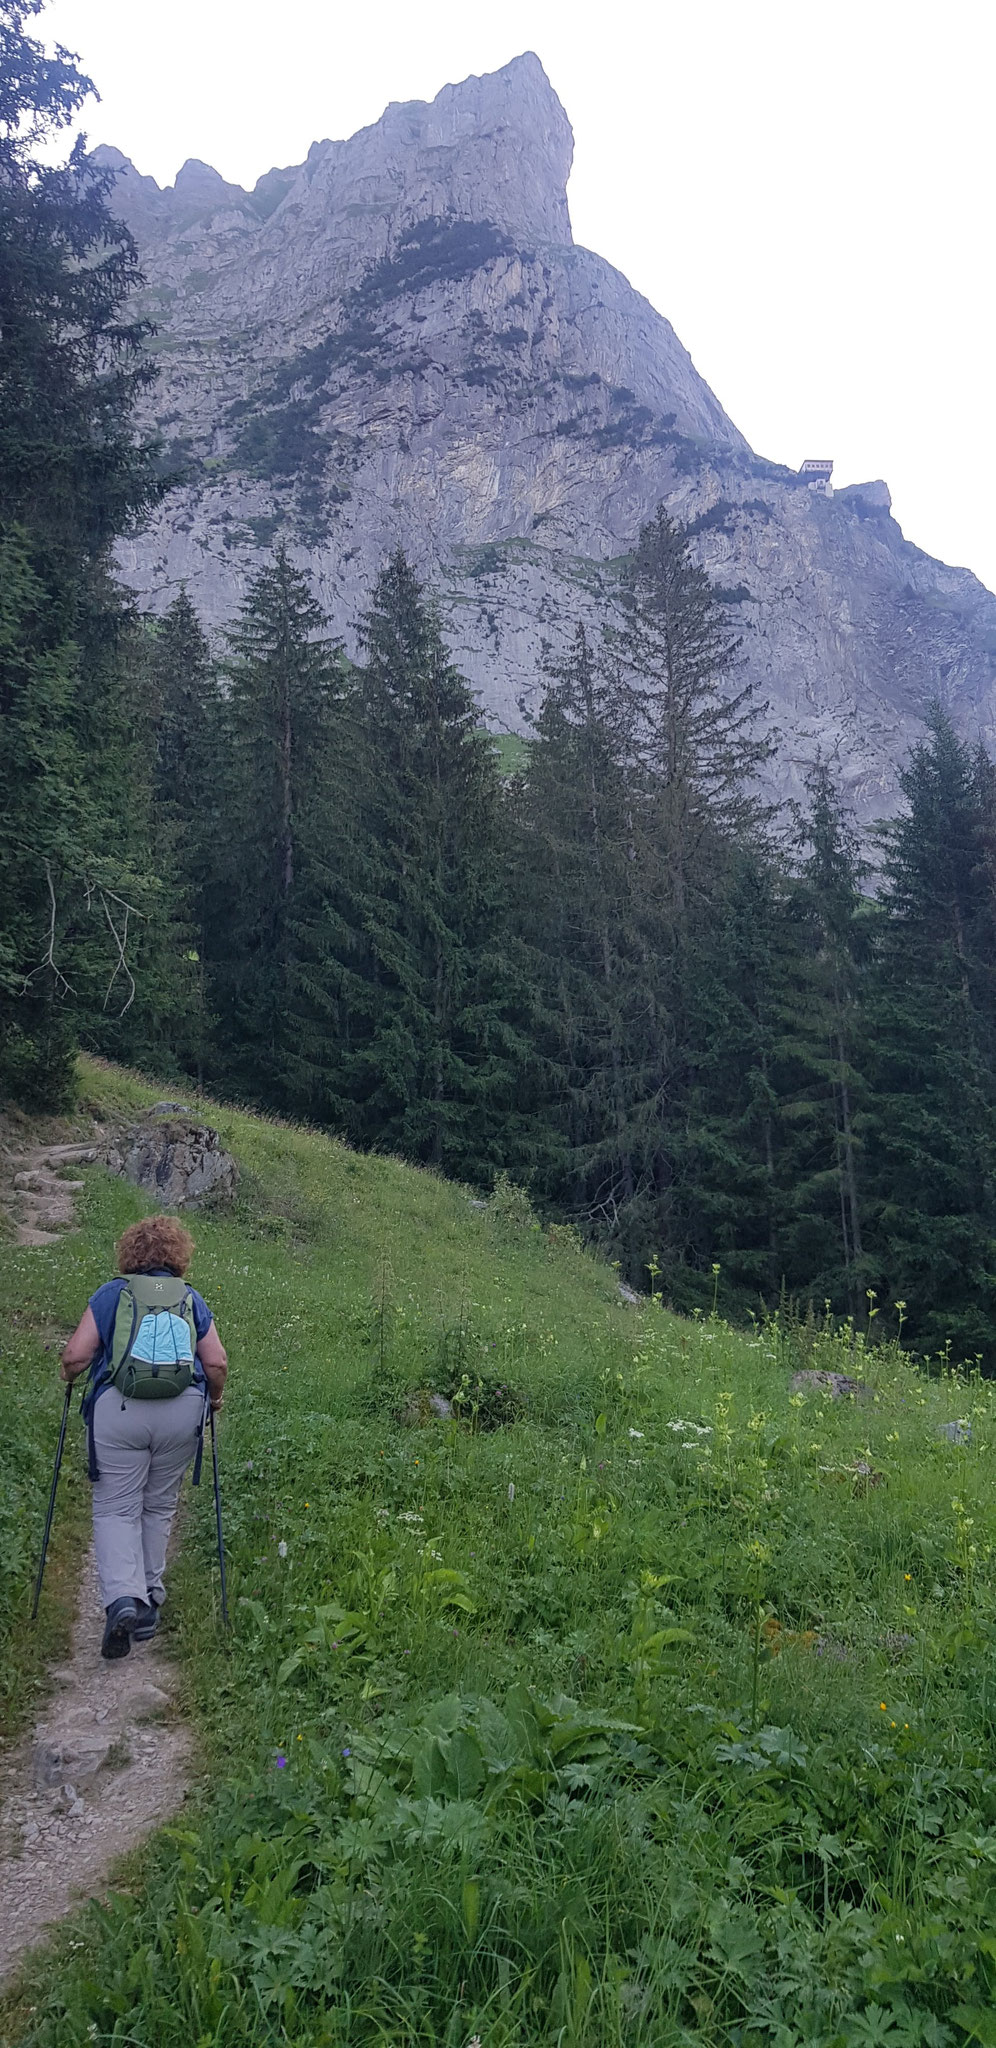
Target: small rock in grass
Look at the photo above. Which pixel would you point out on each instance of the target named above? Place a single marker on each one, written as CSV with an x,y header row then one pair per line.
x,y
834,1386
866,1473
422,1406
955,1432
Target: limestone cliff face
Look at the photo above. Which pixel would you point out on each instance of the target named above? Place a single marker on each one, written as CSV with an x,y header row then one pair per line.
x,y
398,341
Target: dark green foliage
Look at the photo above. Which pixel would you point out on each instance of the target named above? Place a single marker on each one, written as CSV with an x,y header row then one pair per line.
x,y
71,364
931,1145
585,933
185,685
282,443
424,1004
716,519
737,964
42,774
188,825
819,1057
434,251
636,785
274,822
79,884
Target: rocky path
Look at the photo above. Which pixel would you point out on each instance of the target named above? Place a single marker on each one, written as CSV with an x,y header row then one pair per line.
x,y
108,1762
35,1193
110,1758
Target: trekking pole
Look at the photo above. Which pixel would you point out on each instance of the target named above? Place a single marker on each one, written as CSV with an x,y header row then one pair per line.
x,y
51,1502
217,1517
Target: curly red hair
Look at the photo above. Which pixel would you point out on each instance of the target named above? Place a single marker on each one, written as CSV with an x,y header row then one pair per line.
x,y
156,1241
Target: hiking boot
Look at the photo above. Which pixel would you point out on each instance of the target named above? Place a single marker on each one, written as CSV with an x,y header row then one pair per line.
x,y
147,1623
122,1616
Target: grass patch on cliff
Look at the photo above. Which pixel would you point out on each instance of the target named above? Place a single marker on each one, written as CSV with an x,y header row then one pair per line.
x,y
661,1714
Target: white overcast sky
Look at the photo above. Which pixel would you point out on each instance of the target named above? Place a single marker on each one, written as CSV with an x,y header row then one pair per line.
x,y
804,187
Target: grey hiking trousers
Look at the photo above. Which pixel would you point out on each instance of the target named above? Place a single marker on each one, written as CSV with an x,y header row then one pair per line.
x,y
143,1450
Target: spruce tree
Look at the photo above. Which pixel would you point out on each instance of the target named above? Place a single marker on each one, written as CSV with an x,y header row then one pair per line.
x,y
930,1149
697,727
738,960
820,1058
277,731
426,1010
583,929
184,684
73,471
181,709
697,757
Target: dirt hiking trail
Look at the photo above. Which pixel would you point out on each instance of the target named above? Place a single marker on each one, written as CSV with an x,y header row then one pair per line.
x,y
109,1759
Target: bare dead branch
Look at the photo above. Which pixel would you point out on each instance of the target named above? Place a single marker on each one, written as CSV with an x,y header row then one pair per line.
x,y
48,960
121,940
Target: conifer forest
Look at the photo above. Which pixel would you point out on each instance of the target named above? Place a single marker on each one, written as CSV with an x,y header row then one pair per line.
x,y
750,1057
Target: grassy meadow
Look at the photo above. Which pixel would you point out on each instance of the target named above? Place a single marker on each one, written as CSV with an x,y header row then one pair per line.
x,y
643,1703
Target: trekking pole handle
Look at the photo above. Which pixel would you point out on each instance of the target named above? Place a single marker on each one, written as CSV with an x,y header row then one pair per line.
x,y
51,1501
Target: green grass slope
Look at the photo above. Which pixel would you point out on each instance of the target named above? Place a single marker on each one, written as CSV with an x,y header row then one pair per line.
x,y
661,1713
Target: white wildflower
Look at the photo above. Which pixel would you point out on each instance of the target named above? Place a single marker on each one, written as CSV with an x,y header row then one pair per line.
x,y
281,1549
637,1433
511,1490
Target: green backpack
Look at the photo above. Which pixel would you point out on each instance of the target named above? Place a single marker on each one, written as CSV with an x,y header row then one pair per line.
x,y
154,1339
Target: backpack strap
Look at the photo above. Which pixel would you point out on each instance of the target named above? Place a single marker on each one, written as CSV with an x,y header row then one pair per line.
x,y
102,1372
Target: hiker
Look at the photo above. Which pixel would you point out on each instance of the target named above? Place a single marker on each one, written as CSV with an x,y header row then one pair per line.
x,y
156,1361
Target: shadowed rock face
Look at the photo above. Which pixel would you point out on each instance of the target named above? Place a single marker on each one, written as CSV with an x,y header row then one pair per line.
x,y
398,341
180,1163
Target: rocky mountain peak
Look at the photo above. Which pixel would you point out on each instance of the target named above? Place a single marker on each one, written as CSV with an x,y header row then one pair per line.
x,y
396,342
503,138
197,184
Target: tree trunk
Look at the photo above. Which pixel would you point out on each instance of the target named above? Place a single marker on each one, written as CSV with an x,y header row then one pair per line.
x,y
286,758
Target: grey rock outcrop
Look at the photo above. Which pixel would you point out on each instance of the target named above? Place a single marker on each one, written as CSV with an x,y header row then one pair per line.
x,y
830,1386
398,342
959,1432
180,1163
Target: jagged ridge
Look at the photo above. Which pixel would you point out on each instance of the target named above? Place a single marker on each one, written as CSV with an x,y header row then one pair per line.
x,y
399,341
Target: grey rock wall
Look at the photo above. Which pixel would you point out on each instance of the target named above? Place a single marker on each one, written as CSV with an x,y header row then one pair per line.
x,y
398,341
